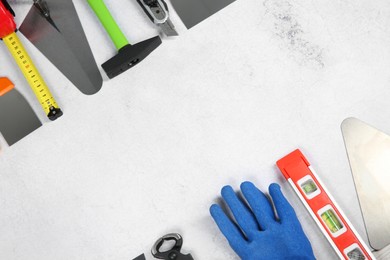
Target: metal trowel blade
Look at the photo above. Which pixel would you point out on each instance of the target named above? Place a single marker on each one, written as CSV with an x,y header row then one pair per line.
x,y
67,48
369,157
17,119
192,12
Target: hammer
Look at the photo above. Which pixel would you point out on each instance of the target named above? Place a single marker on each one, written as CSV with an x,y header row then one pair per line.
x,y
128,55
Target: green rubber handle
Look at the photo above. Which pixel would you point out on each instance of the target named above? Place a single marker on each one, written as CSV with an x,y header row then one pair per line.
x,y
109,23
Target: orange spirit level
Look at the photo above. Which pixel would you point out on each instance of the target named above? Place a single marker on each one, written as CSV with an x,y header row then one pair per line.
x,y
322,207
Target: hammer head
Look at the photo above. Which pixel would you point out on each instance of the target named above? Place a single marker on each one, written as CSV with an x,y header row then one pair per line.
x,y
130,55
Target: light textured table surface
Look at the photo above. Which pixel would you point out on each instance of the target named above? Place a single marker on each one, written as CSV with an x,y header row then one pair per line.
x,y
217,105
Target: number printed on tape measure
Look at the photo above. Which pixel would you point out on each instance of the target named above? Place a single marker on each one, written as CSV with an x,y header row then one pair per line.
x,y
31,74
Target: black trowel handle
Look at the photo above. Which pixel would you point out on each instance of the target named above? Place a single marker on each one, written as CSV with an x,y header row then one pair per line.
x,y
112,28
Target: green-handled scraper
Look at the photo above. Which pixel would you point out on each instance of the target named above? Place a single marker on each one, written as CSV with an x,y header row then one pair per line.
x,y
128,55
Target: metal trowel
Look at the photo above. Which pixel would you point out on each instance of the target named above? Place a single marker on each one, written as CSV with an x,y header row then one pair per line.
x,y
17,119
192,12
53,26
369,157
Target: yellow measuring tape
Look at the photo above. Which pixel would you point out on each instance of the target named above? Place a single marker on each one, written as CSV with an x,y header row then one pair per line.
x,y
33,77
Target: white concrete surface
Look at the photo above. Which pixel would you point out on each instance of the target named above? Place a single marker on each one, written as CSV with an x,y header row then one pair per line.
x,y
218,105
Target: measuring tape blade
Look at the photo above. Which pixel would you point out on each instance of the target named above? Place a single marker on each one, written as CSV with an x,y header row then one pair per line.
x,y
331,220
32,76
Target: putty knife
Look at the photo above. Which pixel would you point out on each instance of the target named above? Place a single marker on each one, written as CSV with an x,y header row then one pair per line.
x,y
17,119
369,157
53,26
192,12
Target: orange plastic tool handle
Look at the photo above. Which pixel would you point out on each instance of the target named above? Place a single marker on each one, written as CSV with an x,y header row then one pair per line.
x,y
5,86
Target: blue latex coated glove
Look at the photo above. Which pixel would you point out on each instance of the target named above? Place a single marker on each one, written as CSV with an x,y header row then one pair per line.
x,y
258,234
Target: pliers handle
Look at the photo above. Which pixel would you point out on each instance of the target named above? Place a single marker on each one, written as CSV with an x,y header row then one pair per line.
x,y
174,252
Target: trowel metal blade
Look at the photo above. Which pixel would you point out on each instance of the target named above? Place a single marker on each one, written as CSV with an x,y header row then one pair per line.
x,y
17,119
192,12
369,157
141,257
67,48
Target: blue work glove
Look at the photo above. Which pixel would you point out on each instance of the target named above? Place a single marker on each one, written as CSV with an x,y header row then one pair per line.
x,y
257,233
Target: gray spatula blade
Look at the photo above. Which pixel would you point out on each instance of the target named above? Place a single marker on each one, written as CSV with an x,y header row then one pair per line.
x,y
17,119
68,22
192,12
68,48
369,157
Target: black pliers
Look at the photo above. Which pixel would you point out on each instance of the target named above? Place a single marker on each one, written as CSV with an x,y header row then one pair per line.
x,y
174,252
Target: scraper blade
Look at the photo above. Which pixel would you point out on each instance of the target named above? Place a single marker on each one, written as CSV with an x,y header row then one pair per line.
x,y
17,119
64,44
369,157
192,12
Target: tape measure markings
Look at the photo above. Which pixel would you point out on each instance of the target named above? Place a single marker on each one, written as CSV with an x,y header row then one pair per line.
x,y
33,77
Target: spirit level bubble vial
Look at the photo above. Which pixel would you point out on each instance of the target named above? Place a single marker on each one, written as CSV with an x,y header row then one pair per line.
x,y
322,207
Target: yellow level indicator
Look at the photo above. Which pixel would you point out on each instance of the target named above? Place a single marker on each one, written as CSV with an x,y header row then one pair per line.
x,y
33,77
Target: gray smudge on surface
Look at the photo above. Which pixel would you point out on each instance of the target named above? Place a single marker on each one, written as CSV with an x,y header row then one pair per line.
x,y
287,28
